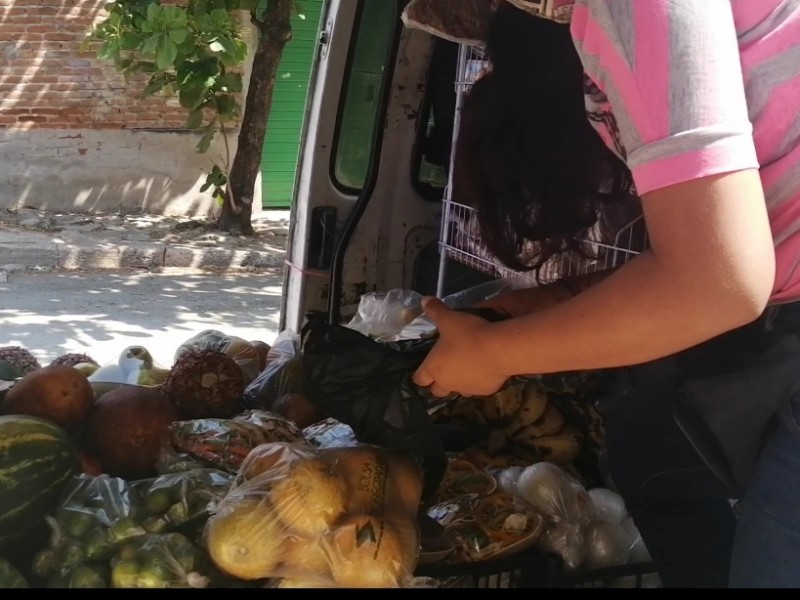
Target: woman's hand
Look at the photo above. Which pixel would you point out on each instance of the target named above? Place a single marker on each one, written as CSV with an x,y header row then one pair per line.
x,y
458,362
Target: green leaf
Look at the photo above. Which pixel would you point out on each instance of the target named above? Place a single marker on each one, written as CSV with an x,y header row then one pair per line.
x,y
174,17
167,53
153,12
221,18
227,106
200,7
108,50
154,85
229,82
195,119
191,97
150,45
178,36
220,199
130,40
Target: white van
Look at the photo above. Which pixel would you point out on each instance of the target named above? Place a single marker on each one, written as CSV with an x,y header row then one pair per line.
x,y
372,177
372,208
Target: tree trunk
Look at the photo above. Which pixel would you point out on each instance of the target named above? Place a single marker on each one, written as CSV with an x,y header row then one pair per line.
x,y
275,30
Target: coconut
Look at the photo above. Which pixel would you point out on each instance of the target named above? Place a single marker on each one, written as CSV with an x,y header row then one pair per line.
x,y
58,393
126,428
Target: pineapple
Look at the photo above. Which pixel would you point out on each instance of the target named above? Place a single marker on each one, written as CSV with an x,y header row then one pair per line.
x,y
205,384
73,358
20,358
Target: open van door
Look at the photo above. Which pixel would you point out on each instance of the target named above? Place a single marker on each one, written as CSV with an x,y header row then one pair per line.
x,y
367,209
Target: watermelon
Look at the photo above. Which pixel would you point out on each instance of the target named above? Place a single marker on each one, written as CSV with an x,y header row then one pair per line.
x,y
10,577
37,458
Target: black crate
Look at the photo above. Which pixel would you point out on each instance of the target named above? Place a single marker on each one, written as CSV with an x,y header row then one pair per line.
x,y
536,570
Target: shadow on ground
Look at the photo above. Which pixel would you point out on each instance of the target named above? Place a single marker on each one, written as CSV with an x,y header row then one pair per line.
x,y
103,313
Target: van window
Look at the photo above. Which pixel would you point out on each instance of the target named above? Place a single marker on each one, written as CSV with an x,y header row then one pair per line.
x,y
368,61
431,161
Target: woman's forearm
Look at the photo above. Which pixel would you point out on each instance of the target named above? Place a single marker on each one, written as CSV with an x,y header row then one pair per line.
x,y
641,313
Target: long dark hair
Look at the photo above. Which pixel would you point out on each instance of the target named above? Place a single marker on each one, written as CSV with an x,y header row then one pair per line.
x,y
527,158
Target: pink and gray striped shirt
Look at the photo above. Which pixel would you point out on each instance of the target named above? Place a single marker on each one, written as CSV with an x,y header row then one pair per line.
x,y
683,89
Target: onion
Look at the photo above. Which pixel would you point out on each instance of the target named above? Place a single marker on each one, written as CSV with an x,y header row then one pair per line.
x,y
606,545
638,550
507,479
553,492
608,505
567,541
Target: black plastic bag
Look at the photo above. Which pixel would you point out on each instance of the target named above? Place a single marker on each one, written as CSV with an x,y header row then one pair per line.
x,y
283,374
367,385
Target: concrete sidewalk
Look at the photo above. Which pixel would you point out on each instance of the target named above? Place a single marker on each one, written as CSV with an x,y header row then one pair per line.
x,y
41,241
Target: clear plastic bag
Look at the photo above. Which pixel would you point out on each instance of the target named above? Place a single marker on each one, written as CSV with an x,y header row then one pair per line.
x,y
134,366
168,560
383,315
556,494
337,517
282,375
330,433
487,526
225,443
175,500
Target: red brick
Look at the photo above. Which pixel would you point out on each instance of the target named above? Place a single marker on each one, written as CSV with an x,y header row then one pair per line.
x,y
31,119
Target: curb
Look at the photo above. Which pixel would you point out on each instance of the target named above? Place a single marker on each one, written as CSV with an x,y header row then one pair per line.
x,y
23,255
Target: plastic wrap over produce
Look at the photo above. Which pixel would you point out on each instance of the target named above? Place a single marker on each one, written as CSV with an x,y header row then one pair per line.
x,y
223,443
460,21
397,314
336,517
382,315
586,528
133,366
282,376
109,532
482,520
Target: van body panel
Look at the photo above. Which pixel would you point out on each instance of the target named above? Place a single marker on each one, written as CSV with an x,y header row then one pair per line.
x,y
398,223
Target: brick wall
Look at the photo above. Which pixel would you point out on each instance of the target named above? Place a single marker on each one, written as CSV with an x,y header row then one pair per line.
x,y
47,82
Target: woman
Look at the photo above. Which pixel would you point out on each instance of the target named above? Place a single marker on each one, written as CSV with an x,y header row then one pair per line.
x,y
697,106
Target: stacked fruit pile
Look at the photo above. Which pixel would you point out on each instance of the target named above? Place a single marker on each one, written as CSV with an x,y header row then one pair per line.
x,y
120,469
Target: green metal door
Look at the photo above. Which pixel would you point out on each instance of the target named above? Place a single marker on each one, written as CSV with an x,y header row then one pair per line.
x,y
282,142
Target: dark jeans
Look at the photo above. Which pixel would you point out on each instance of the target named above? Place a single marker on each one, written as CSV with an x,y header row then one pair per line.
x,y
682,510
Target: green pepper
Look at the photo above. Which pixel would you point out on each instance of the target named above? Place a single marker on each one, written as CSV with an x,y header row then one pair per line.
x,y
69,554
156,574
85,576
125,574
158,500
45,563
74,522
178,513
155,524
97,545
124,529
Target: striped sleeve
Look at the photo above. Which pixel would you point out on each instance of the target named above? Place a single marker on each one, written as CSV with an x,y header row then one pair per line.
x,y
671,72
